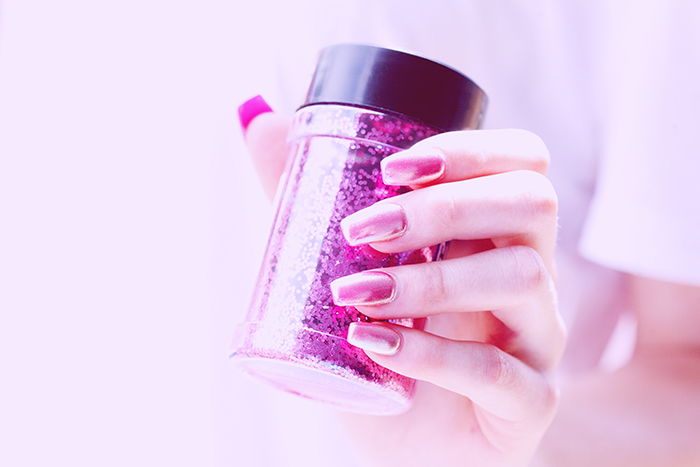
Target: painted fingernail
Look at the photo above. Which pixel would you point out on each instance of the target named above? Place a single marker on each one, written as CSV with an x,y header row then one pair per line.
x,y
250,109
374,337
364,288
377,223
412,168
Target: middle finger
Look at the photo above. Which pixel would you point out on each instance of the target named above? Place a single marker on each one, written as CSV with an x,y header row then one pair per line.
x,y
512,208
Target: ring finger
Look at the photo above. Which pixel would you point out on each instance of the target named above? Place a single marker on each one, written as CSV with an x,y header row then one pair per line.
x,y
512,282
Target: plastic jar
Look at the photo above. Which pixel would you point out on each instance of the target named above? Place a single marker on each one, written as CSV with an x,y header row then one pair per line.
x,y
364,103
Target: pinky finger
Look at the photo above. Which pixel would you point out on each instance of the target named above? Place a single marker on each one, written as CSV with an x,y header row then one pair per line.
x,y
491,378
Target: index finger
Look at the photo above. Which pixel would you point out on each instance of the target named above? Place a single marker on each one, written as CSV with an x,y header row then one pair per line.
x,y
460,155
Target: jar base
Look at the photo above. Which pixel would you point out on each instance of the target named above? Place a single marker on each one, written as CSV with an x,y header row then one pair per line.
x,y
303,379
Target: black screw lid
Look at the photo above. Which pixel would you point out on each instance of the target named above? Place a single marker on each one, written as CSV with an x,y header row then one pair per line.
x,y
397,82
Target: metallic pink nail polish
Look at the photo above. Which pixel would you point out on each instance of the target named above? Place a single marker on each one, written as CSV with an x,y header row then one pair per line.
x,y
251,109
377,223
374,337
412,168
294,336
364,288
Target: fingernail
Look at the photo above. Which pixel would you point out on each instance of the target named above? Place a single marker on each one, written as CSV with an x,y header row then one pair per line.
x,y
412,168
374,337
250,109
377,223
364,288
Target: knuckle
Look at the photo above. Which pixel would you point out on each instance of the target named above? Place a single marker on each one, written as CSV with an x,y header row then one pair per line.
x,y
478,160
495,369
436,282
433,360
539,197
559,341
534,147
561,332
551,398
445,203
529,269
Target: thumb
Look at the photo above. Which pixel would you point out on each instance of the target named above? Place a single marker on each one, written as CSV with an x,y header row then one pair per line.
x,y
265,135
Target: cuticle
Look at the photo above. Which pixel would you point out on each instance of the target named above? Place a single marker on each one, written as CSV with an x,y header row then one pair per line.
x,y
395,289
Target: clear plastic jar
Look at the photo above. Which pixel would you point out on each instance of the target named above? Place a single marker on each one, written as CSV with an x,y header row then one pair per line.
x,y
294,335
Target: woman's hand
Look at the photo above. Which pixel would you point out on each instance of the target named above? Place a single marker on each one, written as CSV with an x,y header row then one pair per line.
x,y
492,330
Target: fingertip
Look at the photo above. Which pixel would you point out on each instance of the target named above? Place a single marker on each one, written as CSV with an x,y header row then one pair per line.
x,y
379,222
266,130
414,167
250,109
266,140
376,338
374,287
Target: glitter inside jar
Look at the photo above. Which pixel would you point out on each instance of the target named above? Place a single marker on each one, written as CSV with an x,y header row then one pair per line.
x,y
294,336
364,103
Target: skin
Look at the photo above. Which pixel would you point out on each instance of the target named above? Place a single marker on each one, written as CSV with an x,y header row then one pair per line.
x,y
485,394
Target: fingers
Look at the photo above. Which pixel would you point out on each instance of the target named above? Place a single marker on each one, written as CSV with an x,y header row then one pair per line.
x,y
266,139
512,208
512,282
265,135
491,378
460,155
475,185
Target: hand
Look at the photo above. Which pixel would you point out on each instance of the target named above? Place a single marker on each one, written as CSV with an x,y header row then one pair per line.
x,y
492,331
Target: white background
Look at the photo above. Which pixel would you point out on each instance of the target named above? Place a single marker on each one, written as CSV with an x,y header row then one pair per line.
x,y
131,228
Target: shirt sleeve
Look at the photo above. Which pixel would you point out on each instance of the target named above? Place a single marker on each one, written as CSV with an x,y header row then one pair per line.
x,y
645,214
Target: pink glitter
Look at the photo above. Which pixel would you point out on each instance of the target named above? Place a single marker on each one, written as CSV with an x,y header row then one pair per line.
x,y
295,336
